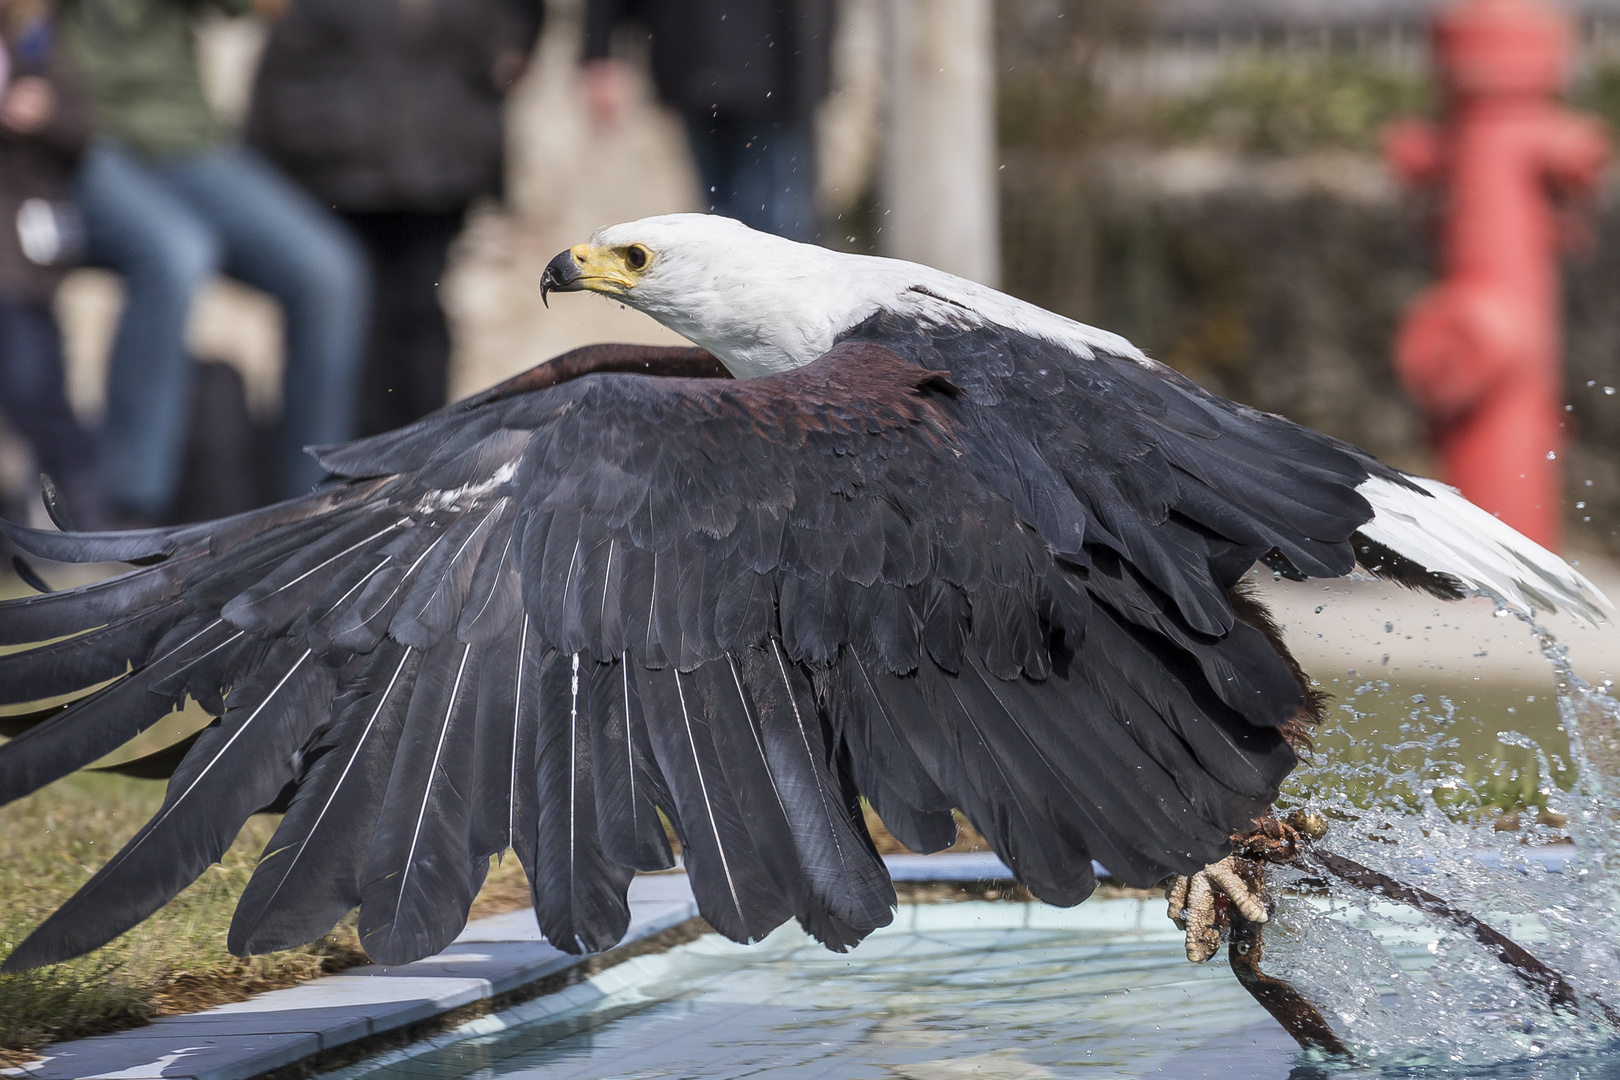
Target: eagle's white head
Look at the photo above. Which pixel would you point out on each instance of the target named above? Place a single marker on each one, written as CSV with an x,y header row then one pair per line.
x,y
762,304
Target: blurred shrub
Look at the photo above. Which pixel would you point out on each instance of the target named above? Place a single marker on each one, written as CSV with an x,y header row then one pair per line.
x,y
1599,93
1278,105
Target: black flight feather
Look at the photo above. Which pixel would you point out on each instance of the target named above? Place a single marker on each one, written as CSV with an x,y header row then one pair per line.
x,y
361,624
419,878
159,764
735,892
629,787
79,662
433,605
494,595
71,611
309,875
839,867
579,892
235,767
273,603
104,721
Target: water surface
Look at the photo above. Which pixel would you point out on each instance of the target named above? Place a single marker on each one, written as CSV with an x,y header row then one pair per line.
x,y
997,991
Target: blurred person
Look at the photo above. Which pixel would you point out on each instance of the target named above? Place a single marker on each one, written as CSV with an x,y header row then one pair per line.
x,y
169,200
389,111
746,76
44,128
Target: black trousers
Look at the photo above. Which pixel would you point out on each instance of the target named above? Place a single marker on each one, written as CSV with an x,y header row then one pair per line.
x,y
408,351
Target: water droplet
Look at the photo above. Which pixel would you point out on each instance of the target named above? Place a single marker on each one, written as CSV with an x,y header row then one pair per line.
x,y
1552,455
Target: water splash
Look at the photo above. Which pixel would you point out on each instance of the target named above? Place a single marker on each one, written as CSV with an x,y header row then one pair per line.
x,y
1406,990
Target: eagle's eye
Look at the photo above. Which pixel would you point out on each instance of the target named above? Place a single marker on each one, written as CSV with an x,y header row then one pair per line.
x,y
637,256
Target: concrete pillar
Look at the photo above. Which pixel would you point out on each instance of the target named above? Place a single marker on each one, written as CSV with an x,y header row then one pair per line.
x,y
939,189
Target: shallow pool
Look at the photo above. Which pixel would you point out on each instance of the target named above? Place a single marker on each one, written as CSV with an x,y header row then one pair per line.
x,y
998,991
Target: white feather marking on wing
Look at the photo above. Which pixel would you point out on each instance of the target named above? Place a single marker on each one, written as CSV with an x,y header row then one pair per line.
x,y
1443,532
352,547
652,608
194,661
477,531
405,579
455,498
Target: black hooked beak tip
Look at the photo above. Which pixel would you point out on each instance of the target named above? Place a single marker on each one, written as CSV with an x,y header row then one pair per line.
x,y
562,275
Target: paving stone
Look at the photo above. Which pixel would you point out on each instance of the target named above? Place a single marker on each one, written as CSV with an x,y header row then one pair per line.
x,y
968,866
225,1057
509,926
660,888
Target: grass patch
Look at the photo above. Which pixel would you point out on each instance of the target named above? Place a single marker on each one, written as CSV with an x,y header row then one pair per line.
x,y
1473,751
176,961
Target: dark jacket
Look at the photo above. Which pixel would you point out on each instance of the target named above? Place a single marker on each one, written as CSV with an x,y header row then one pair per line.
x,y
736,58
389,104
38,166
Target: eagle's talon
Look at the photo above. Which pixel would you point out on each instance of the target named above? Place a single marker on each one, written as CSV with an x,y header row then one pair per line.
x,y
1176,895
1193,905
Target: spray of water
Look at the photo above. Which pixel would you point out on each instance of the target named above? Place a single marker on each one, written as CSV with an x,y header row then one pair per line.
x,y
1407,990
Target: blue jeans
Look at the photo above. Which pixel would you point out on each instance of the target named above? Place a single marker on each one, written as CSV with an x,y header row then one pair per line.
x,y
34,399
761,172
167,226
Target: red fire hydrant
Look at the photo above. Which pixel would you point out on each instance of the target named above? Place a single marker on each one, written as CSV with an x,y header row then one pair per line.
x,y
1481,350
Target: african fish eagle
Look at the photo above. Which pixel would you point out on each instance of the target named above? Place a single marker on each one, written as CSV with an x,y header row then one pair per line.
x,y
885,533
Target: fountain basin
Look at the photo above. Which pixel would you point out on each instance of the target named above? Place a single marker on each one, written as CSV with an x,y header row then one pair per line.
x,y
969,989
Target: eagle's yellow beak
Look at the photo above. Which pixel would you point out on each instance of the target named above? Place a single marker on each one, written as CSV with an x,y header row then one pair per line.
x,y
612,271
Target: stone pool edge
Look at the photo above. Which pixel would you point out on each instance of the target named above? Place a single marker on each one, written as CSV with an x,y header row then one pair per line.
x,y
335,1020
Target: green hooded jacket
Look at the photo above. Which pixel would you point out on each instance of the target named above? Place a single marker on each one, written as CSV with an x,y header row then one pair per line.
x,y
139,59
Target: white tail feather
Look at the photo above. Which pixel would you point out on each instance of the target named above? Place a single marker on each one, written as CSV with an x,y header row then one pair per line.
x,y
1444,532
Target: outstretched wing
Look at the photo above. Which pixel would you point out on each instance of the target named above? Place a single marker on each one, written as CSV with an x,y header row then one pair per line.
x,y
548,616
